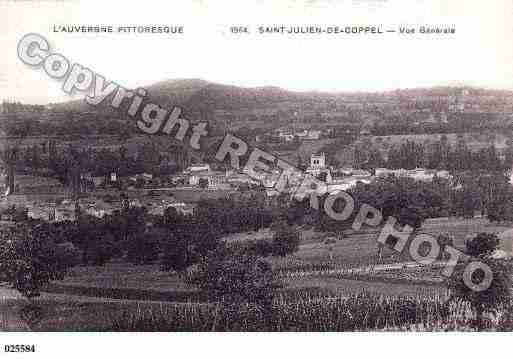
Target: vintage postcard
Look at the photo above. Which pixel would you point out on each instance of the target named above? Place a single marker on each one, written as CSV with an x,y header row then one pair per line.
x,y
255,166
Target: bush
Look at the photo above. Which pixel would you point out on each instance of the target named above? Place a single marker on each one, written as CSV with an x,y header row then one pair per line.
x,y
444,240
203,183
178,253
482,245
412,216
235,277
99,249
20,214
172,217
261,247
69,254
139,183
285,241
143,248
29,259
489,300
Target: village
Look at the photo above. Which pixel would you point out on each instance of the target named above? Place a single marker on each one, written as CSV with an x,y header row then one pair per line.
x,y
47,199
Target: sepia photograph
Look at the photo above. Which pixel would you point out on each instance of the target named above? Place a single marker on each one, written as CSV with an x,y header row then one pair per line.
x,y
304,166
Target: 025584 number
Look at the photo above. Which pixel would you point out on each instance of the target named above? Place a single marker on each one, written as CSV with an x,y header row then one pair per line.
x,y
20,348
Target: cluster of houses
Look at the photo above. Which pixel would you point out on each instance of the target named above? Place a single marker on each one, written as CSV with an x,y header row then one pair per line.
x,y
345,178
418,174
202,177
336,179
288,135
63,210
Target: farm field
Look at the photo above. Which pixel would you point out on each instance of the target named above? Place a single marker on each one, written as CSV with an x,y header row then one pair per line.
x,y
122,296
354,251
124,281
73,313
301,312
360,248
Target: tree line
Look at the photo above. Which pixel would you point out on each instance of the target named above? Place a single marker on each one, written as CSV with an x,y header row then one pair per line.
x,y
440,155
412,202
48,159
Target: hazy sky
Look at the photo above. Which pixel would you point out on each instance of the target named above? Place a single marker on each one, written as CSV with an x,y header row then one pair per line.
x,y
479,54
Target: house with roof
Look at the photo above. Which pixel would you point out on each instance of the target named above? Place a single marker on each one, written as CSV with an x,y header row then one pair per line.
x,y
199,172
99,208
318,166
313,135
183,208
196,168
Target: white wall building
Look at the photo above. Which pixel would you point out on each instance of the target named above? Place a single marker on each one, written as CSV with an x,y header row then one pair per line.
x,y
419,174
198,168
318,166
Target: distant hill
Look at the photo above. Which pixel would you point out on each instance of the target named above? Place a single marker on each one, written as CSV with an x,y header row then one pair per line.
x,y
197,96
